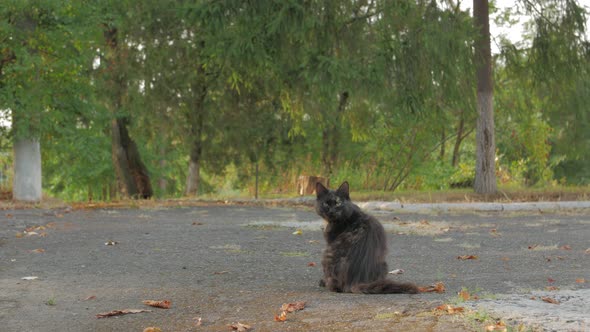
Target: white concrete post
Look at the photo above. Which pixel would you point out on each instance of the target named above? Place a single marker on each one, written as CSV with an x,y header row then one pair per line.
x,y
27,170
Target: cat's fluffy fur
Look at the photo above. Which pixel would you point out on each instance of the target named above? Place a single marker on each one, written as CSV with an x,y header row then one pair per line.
x,y
354,259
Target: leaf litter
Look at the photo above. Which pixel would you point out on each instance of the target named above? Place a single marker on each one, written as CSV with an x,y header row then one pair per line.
x,y
120,312
164,304
438,287
289,308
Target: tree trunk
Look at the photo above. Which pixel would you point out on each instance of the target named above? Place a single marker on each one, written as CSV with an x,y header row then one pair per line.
x,y
196,122
443,144
132,175
458,140
131,171
27,170
485,176
331,137
163,182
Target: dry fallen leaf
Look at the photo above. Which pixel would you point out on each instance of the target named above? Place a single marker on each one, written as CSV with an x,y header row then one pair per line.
x,y
449,309
438,287
164,304
282,317
111,243
552,288
220,272
499,326
580,280
587,251
312,264
464,295
295,306
565,247
298,232
152,329
37,251
549,300
19,235
550,280
533,246
465,257
91,297
198,223
240,327
34,228
396,271
120,312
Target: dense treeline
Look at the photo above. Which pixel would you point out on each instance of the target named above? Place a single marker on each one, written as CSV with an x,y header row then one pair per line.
x,y
173,98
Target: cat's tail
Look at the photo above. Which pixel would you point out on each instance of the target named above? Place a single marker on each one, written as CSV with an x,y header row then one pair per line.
x,y
385,286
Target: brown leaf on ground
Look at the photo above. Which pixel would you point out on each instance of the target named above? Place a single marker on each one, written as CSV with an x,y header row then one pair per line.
x,y
552,288
152,329
91,297
580,280
499,326
439,287
464,295
494,232
120,312
295,306
587,251
549,300
197,223
34,228
311,264
282,317
533,246
220,272
565,247
466,257
240,327
164,304
550,280
37,251
450,309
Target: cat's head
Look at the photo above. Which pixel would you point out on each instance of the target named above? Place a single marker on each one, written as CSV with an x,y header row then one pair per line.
x,y
333,205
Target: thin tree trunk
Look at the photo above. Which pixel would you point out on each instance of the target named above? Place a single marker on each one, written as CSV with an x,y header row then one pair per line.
x,y
331,137
443,144
163,182
485,176
458,140
196,122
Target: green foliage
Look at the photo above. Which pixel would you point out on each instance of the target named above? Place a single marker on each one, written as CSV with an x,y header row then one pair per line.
x,y
265,80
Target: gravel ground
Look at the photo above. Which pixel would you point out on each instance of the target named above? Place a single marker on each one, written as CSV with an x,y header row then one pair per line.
x,y
228,264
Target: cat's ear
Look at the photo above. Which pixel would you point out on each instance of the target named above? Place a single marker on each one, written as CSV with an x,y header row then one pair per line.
x,y
344,189
320,189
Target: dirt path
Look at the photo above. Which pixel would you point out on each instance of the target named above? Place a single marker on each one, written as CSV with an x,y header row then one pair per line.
x,y
226,264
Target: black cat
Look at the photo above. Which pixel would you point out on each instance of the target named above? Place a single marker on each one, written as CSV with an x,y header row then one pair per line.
x,y
354,259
